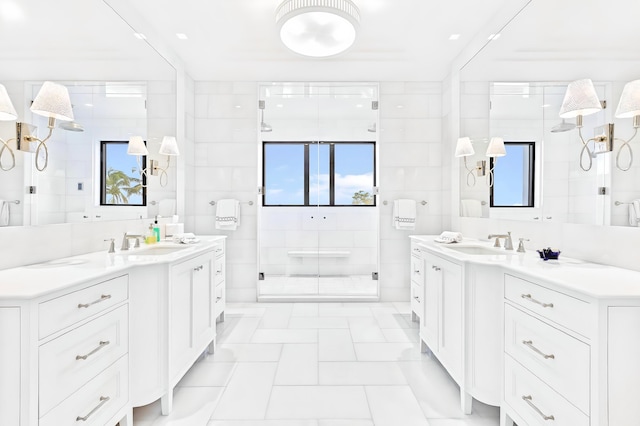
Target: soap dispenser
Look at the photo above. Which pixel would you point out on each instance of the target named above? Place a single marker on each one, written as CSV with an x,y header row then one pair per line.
x,y
150,238
156,230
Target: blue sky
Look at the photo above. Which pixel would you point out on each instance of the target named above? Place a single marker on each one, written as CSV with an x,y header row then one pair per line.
x,y
284,177
118,159
510,188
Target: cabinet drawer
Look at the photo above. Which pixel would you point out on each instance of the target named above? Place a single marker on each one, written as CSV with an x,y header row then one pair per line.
x,y
560,360
97,401
219,250
71,360
532,399
417,270
218,274
220,301
61,312
565,310
416,299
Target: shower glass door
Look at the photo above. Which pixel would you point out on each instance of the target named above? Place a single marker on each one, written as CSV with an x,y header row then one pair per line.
x,y
318,219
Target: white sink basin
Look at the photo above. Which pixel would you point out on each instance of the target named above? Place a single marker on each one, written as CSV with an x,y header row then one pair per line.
x,y
157,250
476,250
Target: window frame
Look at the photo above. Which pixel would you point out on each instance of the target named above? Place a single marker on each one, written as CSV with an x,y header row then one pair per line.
x,y
307,166
531,177
103,171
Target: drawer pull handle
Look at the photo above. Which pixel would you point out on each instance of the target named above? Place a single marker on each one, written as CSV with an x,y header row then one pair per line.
x,y
417,298
436,268
417,271
531,299
528,399
102,299
218,299
198,268
103,400
529,344
101,345
219,272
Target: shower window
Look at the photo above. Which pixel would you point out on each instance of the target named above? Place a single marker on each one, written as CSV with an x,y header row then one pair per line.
x,y
324,173
120,180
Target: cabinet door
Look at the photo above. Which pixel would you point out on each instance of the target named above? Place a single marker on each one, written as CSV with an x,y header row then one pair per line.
x,y
450,347
430,322
180,310
203,300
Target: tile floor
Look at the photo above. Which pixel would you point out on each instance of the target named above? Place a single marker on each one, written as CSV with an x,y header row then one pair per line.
x,y
317,364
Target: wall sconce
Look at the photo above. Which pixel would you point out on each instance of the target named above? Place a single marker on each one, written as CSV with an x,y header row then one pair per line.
x,y
168,147
7,113
494,150
629,106
52,101
137,147
464,149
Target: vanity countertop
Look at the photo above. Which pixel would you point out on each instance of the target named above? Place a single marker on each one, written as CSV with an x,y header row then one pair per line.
x,y
31,281
592,279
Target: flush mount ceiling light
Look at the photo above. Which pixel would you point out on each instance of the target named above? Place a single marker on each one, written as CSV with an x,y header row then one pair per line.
x,y
318,28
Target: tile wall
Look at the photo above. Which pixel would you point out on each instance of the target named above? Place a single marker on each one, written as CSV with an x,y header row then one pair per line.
x,y
226,161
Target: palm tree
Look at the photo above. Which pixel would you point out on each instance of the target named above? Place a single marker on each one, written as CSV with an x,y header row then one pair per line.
x,y
120,186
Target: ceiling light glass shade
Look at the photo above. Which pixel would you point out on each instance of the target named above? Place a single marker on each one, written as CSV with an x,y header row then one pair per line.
x,y
53,101
7,111
318,28
464,147
136,146
496,148
169,146
629,105
580,99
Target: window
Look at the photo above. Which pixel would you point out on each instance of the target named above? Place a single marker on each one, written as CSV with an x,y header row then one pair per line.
x,y
318,173
120,180
514,176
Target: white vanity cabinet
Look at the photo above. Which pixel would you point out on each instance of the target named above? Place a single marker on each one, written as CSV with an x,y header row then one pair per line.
x,y
570,358
64,356
174,311
417,274
461,321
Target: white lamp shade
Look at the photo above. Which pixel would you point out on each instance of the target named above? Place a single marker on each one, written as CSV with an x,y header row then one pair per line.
x,y
169,146
136,146
318,28
629,105
7,111
496,148
53,101
580,99
464,147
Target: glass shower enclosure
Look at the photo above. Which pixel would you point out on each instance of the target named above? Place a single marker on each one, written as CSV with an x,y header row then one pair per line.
x,y
318,216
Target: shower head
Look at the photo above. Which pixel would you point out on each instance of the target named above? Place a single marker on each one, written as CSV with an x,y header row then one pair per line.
x,y
71,126
562,127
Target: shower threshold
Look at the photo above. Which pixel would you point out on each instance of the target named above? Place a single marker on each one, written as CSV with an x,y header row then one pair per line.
x,y
318,288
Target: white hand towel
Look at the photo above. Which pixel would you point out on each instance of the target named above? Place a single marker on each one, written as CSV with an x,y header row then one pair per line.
x,y
4,213
634,213
471,208
404,214
228,214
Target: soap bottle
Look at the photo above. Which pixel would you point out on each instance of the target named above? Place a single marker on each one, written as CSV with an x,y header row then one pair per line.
x,y
150,238
156,230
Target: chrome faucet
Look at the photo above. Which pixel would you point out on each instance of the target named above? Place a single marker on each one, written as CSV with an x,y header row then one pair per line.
x,y
508,243
125,241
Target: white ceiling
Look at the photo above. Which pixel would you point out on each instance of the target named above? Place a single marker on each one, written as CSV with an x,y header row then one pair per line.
x,y
399,40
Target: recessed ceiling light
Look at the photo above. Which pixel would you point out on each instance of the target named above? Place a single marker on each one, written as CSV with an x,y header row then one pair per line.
x,y
359,106
399,106
494,36
454,36
139,36
280,106
546,105
181,36
88,105
238,106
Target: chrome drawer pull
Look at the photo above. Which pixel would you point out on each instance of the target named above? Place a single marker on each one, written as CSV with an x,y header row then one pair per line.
x,y
528,399
219,272
435,267
417,298
417,271
198,268
103,400
218,299
531,299
102,299
529,344
100,346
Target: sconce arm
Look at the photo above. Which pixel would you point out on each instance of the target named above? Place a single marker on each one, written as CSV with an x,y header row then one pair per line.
x,y
585,147
3,147
625,143
469,173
